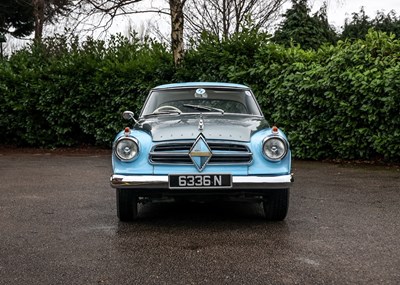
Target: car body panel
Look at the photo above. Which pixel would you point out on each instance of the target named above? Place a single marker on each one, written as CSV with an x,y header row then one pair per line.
x,y
180,127
201,84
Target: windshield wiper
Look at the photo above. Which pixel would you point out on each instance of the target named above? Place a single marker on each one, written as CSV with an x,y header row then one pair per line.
x,y
204,108
162,113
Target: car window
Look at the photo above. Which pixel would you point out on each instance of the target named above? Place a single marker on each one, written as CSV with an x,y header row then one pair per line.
x,y
228,106
196,100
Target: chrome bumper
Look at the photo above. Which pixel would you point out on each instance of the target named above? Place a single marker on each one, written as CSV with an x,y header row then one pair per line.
x,y
238,182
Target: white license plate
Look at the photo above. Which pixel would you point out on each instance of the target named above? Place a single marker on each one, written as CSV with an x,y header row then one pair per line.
x,y
199,181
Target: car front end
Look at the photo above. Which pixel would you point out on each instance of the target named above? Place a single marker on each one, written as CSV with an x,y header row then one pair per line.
x,y
180,146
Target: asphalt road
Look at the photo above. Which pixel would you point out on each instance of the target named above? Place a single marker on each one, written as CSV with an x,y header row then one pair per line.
x,y
58,225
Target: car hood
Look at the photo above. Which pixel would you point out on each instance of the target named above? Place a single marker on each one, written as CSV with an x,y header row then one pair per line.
x,y
222,127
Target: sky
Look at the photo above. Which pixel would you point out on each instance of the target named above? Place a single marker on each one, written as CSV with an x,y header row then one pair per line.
x,y
339,10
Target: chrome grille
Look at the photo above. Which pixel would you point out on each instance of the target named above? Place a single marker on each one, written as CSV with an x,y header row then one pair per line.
x,y
222,153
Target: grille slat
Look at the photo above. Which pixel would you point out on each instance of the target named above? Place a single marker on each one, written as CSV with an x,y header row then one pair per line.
x,y
238,159
228,147
178,153
171,159
174,147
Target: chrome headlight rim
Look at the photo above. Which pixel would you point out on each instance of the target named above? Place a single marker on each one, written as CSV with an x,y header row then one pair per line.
x,y
118,155
283,155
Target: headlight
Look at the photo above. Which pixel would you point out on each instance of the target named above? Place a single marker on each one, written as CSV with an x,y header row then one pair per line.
x,y
126,148
275,148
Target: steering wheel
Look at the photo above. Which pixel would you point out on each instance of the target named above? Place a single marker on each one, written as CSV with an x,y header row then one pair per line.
x,y
167,108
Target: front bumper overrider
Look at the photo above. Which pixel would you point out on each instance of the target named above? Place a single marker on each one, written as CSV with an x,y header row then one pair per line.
x,y
160,182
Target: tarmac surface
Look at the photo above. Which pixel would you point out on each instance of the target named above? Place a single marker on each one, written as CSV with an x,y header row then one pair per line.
x,y
58,225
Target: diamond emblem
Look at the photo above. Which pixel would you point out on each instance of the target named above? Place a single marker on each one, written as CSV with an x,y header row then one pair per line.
x,y
200,153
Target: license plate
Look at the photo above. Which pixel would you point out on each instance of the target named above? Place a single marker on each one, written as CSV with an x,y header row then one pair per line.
x,y
200,181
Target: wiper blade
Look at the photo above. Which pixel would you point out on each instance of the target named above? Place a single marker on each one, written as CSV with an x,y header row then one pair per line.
x,y
205,108
162,113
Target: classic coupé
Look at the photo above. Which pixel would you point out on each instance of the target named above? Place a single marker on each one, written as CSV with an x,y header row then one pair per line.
x,y
201,140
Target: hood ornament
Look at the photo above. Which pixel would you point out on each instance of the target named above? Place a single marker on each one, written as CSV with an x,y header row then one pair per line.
x,y
201,123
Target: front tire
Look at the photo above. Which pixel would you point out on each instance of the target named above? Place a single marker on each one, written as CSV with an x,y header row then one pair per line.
x,y
127,205
276,204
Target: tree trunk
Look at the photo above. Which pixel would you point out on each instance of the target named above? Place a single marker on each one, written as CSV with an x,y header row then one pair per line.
x,y
176,7
38,13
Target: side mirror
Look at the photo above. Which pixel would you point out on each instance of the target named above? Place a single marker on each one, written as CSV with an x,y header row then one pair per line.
x,y
128,115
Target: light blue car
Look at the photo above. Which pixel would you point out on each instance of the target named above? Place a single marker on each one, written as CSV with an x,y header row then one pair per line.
x,y
201,141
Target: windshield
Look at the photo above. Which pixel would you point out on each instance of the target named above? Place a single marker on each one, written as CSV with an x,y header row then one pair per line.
x,y
201,100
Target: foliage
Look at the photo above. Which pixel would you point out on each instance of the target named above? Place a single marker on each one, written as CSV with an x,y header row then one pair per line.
x,y
299,27
213,59
16,18
340,101
360,23
60,93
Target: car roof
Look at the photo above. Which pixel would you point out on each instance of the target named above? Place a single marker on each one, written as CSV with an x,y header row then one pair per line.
x,y
201,84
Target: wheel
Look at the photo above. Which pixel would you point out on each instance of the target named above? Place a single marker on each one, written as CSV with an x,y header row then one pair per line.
x,y
276,204
127,205
167,108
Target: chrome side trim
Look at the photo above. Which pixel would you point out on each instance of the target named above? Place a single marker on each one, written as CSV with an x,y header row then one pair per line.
x,y
238,182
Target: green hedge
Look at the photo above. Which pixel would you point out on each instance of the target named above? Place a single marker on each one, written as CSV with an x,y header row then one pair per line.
x,y
338,102
63,94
